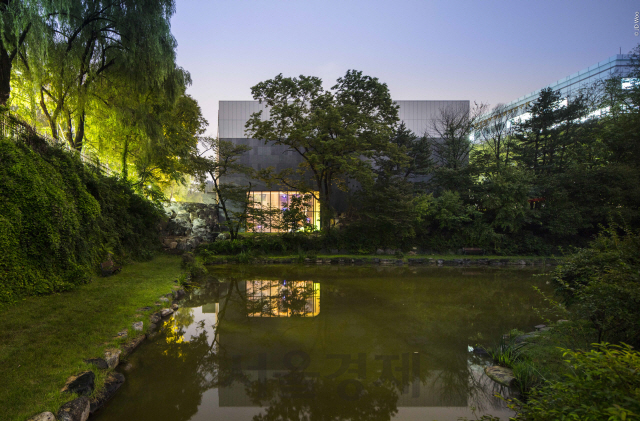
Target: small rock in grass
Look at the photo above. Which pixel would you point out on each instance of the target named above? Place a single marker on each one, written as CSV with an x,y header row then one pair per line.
x,y
166,312
155,318
122,334
157,304
130,346
165,299
44,416
82,384
98,362
111,385
75,410
144,309
539,327
112,357
138,326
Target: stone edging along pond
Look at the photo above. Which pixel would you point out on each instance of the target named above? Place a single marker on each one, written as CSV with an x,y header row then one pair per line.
x,y
83,383
398,262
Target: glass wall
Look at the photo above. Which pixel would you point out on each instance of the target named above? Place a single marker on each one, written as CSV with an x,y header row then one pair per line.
x,y
281,200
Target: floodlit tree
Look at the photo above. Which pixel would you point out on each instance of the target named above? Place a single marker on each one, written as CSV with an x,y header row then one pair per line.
x,y
335,131
90,43
496,135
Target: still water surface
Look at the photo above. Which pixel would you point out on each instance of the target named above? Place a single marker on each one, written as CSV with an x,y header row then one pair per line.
x,y
329,343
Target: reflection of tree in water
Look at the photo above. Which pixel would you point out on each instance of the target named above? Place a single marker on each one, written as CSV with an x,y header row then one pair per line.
x,y
294,396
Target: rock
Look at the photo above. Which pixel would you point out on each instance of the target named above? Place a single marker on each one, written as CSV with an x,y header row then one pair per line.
x,y
82,384
334,251
138,326
480,351
174,307
173,245
522,262
440,262
379,251
166,312
562,321
143,309
155,318
112,357
111,385
98,362
412,253
130,346
44,416
501,375
122,334
540,327
390,252
165,299
152,327
523,338
75,410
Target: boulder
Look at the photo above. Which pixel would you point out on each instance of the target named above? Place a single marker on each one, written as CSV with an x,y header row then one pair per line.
x,y
98,362
501,375
111,385
130,346
75,410
44,416
112,357
82,384
379,251
174,307
138,326
166,312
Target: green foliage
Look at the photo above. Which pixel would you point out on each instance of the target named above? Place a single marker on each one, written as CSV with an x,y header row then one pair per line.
x,y
59,219
601,284
331,130
603,385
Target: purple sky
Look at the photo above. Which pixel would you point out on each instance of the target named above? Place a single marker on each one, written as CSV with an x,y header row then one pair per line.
x,y
486,51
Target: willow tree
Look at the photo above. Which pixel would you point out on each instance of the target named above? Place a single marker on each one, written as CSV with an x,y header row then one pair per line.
x,y
333,131
22,23
90,44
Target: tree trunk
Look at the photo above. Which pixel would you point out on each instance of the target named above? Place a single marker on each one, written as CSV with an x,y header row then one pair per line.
x,y
5,75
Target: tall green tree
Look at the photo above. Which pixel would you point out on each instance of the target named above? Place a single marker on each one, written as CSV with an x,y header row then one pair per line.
x,y
92,42
335,131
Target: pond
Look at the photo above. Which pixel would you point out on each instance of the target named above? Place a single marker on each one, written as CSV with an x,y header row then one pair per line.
x,y
289,342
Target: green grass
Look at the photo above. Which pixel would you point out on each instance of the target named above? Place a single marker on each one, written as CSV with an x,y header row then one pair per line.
x,y
45,339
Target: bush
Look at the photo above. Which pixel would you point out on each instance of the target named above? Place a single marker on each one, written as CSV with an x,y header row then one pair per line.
x,y
601,284
604,385
59,220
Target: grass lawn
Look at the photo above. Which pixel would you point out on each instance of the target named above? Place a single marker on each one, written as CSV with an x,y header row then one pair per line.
x,y
43,340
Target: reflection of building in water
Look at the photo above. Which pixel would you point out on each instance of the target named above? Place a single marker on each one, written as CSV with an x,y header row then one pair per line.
x,y
282,298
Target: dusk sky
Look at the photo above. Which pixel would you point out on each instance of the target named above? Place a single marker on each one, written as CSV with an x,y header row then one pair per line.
x,y
484,51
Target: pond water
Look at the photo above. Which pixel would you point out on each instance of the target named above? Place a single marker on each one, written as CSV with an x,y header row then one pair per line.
x,y
329,343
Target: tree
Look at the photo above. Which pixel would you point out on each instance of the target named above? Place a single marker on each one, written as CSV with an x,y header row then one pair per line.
x,y
335,132
21,23
496,136
234,199
89,44
450,132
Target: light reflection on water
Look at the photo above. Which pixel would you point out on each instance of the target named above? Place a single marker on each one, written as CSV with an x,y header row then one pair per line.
x,y
388,343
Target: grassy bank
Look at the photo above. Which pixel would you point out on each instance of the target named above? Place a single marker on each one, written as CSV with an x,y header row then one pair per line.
x,y
45,339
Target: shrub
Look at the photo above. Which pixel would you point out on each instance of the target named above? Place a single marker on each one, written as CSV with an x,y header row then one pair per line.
x,y
59,220
601,284
604,384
